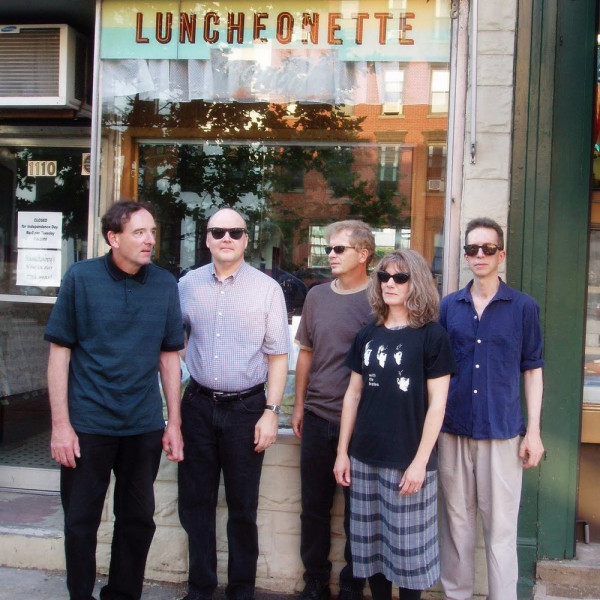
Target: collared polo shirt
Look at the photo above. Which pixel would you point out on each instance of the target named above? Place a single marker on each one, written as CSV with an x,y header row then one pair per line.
x,y
233,325
491,353
116,326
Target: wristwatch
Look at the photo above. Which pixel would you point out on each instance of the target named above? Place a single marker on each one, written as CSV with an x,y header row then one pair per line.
x,y
274,407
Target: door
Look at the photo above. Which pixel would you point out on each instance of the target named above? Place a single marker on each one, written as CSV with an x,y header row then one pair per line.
x,y
44,194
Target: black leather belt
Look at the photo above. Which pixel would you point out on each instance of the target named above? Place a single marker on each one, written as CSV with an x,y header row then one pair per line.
x,y
219,396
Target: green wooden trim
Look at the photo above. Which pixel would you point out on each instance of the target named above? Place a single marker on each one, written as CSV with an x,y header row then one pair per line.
x,y
567,273
547,246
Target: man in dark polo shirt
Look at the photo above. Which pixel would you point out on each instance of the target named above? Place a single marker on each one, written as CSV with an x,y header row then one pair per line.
x,y
115,325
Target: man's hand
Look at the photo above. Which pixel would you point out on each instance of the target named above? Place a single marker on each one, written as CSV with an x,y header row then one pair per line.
x,y
64,445
265,431
298,418
341,469
172,443
531,450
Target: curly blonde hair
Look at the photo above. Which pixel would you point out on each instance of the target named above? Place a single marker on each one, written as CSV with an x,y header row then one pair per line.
x,y
422,301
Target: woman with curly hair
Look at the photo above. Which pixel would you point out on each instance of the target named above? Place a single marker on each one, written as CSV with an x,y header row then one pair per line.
x,y
393,411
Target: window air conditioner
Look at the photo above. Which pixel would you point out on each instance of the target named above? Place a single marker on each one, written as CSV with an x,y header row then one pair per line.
x,y
435,185
45,66
392,108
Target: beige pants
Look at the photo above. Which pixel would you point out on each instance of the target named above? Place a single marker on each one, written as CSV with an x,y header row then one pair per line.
x,y
484,474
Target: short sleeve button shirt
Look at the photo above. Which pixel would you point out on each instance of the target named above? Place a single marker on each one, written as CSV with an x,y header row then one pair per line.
x,y
233,326
491,353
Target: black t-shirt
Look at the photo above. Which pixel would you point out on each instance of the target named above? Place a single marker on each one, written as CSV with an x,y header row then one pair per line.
x,y
395,366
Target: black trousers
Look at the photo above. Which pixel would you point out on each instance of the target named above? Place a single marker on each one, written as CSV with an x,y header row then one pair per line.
x,y
134,461
317,457
219,438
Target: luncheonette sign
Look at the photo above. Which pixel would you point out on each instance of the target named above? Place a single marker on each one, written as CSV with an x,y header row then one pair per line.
x,y
358,30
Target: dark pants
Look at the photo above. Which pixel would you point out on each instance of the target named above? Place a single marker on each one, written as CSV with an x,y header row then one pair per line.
x,y
381,589
219,436
134,461
317,458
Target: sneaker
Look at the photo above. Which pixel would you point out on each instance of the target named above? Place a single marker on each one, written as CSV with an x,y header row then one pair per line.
x,y
316,590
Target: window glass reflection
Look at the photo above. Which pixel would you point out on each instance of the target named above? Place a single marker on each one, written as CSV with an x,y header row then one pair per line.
x,y
43,216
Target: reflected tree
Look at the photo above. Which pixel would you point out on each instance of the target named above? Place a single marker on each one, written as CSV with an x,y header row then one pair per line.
x,y
231,168
67,192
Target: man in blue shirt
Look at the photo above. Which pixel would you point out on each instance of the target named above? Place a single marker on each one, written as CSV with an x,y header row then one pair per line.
x,y
116,324
496,336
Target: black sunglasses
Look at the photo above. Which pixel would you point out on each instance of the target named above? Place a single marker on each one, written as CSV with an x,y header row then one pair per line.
x,y
488,249
398,278
235,233
336,249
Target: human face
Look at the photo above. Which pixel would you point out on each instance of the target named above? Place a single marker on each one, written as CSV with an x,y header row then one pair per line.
x,y
483,266
132,247
227,253
351,261
394,294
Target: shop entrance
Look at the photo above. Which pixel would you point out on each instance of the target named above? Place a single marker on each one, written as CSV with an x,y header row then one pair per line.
x,y
44,195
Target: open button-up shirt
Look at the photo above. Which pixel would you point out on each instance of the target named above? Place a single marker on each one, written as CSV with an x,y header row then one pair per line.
x,y
491,353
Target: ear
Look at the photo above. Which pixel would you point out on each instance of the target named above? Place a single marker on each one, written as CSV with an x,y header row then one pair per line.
x,y
363,255
113,240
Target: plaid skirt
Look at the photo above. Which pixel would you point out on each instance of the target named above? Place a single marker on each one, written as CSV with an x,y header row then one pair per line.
x,y
393,534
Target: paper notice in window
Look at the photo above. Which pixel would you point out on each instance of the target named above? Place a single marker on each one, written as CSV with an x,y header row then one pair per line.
x,y
38,268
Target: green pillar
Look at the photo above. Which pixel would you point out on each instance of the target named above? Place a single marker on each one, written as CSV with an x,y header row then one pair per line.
x,y
547,249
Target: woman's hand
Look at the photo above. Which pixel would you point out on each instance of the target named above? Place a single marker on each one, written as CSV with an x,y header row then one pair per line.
x,y
412,480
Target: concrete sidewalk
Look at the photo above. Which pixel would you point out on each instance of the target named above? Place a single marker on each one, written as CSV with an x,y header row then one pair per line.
x,y
30,584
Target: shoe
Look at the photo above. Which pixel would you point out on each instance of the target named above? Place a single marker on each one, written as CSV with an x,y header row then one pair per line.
x,y
350,595
315,590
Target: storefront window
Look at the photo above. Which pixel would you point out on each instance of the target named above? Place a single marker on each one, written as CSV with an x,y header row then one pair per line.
x,y
296,116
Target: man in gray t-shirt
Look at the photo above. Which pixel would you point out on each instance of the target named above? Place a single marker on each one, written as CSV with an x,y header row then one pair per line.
x,y
332,315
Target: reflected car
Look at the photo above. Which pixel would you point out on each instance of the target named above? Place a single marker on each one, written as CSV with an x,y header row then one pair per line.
x,y
312,276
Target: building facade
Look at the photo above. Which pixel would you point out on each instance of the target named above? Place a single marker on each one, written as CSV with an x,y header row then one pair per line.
x,y
413,115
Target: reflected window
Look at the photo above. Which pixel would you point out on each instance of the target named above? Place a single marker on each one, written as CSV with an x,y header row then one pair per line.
x,y
440,90
436,168
389,168
393,91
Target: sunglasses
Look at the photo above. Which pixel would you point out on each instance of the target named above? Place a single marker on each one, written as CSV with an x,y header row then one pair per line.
x,y
235,233
488,249
398,278
336,249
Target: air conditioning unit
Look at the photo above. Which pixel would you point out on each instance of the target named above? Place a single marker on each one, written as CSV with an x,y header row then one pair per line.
x,y
392,108
45,66
435,185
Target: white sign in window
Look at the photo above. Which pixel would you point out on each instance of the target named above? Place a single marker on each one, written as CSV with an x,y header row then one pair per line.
x,y
39,239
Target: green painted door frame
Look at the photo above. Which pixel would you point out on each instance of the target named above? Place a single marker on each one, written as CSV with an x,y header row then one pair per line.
x,y
547,249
